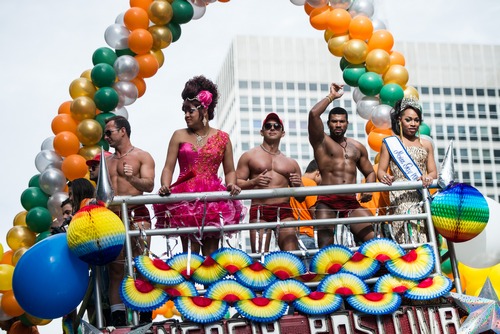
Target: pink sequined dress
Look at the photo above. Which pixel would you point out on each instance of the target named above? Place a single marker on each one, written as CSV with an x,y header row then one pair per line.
x,y
204,162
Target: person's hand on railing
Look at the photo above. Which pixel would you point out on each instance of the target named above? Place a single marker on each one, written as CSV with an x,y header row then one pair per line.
x,y
387,179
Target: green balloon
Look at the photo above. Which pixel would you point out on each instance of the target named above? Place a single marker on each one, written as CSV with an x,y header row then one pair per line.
x,y
176,31
424,129
103,75
343,63
34,181
127,52
352,73
42,236
104,55
370,83
106,99
391,93
104,144
183,11
102,117
33,197
446,265
38,219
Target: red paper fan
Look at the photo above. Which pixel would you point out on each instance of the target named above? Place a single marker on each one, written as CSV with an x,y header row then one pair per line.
x,y
140,295
232,259
287,290
157,271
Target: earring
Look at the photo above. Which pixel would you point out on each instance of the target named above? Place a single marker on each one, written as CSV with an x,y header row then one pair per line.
x,y
401,130
419,137
205,122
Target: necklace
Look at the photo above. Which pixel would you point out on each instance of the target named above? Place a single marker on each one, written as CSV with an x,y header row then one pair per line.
x,y
269,152
199,139
346,156
123,155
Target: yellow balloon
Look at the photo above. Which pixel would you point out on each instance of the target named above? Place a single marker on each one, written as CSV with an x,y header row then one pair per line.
x,y
378,61
494,277
20,218
81,87
396,74
17,255
86,74
162,37
160,12
1,252
89,131
327,35
411,91
20,236
336,45
83,107
89,151
355,51
6,272
475,278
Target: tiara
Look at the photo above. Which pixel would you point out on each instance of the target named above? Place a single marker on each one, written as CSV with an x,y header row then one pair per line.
x,y
410,102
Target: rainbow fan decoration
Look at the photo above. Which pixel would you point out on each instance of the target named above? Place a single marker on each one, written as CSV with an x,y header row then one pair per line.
x,y
255,277
231,259
318,303
157,271
140,295
287,290
389,283
381,249
310,277
184,289
284,265
429,288
185,263
375,303
261,309
229,291
415,265
330,259
209,272
201,309
361,266
343,284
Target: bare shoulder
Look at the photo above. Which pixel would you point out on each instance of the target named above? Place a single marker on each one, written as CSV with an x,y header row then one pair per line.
x,y
427,144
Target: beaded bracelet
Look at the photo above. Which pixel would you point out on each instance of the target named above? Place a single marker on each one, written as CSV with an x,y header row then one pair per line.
x,y
330,99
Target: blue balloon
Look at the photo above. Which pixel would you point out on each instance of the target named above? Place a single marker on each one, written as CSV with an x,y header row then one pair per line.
x,y
49,281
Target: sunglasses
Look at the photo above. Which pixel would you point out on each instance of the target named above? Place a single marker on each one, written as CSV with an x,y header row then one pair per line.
x,y
93,168
108,133
269,126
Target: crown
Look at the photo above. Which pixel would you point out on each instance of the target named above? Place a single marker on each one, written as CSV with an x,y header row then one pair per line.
x,y
410,102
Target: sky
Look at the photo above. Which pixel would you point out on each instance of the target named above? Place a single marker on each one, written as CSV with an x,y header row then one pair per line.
x,y
47,44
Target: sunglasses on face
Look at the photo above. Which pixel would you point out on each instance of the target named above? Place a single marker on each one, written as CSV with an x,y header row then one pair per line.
x,y
108,133
269,126
93,168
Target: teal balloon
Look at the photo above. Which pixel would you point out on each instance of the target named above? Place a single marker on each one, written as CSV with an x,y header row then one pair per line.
x,y
33,197
104,55
103,75
176,31
102,117
446,265
104,144
42,236
391,93
183,11
38,219
352,73
34,181
370,83
127,52
343,63
106,99
425,129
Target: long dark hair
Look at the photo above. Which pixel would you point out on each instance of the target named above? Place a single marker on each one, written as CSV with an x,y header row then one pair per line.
x,y
81,189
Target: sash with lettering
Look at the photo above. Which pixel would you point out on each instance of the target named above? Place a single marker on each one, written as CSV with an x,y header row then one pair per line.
x,y
402,158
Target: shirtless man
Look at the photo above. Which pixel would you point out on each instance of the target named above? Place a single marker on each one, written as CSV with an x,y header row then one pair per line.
x,y
265,167
338,159
132,172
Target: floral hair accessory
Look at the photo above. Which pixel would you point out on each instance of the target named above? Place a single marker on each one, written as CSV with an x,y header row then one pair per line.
x,y
410,102
204,97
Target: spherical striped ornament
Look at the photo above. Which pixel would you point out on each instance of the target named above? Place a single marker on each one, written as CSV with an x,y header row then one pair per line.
x,y
460,212
96,235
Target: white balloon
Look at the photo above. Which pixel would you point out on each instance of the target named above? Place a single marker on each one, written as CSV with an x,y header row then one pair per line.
x,y
362,7
365,106
126,67
121,112
357,95
48,143
198,10
298,2
119,19
317,3
116,36
54,204
52,180
46,158
483,251
378,25
127,92
381,116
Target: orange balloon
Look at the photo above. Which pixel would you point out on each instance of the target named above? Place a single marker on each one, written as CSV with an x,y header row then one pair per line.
x,y
375,140
140,41
319,18
396,74
63,122
336,45
361,27
136,18
140,84
64,108
74,167
383,131
148,65
338,21
369,127
66,143
308,8
7,257
20,218
397,58
144,4
10,304
381,39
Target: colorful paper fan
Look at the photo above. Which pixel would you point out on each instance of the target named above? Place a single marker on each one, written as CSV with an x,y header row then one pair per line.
x,y
310,277
284,265
230,291
287,290
381,249
140,295
255,276
261,309
375,303
343,284
209,272
329,260
389,284
157,271
361,266
415,265
429,288
232,259
179,263
318,303
184,289
201,309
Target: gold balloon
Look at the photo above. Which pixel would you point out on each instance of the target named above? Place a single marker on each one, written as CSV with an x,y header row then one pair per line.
x,y
411,91
83,107
355,51
376,159
90,151
86,74
162,37
20,236
17,255
327,35
336,45
20,218
89,132
396,74
378,61
160,12
160,57
81,87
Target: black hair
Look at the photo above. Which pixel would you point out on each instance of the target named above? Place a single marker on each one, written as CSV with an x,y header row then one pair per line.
x,y
338,111
312,167
66,201
120,122
397,113
81,188
195,85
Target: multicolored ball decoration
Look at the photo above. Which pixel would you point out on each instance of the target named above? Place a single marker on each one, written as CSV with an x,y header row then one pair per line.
x,y
459,212
96,235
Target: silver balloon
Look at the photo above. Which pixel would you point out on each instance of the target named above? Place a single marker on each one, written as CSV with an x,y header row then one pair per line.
x,y
121,112
116,36
362,7
381,116
46,158
357,95
365,106
126,67
127,92
52,180
104,191
298,2
198,10
54,204
343,4
317,3
447,173
378,25
119,19
48,143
